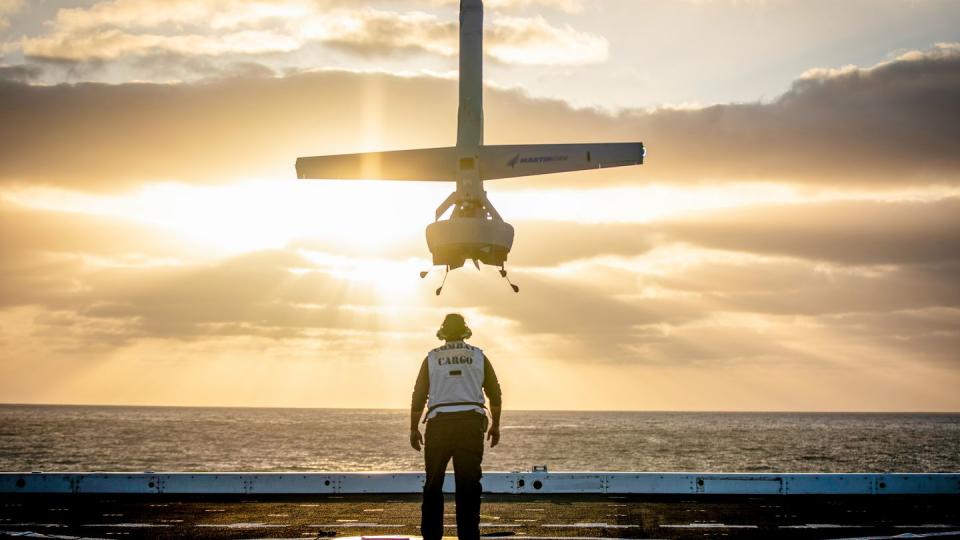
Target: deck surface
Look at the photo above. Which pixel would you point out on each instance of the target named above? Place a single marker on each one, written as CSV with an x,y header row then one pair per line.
x,y
523,516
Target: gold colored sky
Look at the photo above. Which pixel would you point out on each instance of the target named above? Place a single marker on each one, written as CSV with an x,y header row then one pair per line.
x,y
793,242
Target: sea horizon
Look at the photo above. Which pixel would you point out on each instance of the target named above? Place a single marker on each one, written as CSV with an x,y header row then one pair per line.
x,y
133,438
319,408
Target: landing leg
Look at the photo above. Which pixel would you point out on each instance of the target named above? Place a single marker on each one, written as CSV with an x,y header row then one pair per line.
x,y
442,283
503,274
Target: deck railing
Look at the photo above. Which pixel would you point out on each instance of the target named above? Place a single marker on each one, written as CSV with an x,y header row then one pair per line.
x,y
538,481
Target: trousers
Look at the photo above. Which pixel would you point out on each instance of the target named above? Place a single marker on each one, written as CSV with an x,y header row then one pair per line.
x,y
458,436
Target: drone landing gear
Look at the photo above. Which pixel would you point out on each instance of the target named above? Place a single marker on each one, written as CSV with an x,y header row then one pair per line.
x,y
442,283
446,272
503,274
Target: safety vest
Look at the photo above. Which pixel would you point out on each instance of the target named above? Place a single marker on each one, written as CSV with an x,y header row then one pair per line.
x,y
456,379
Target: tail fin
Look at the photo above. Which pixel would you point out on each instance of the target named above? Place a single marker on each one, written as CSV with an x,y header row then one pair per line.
x,y
436,164
509,161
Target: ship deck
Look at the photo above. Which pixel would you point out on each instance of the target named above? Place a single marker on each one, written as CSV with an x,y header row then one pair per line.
x,y
529,516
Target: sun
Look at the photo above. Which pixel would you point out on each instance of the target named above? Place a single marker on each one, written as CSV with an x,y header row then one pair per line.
x,y
349,217
356,218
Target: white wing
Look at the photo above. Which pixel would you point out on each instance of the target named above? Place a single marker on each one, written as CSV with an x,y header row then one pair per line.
x,y
420,164
509,161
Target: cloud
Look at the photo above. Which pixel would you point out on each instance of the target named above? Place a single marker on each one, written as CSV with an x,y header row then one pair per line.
x,y
250,295
22,73
99,284
213,13
219,14
111,44
118,136
137,281
8,7
45,257
569,6
550,243
116,29
801,288
99,35
534,41
849,233
30,230
882,125
935,331
890,125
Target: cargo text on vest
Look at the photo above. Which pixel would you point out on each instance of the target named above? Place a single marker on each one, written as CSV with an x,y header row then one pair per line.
x,y
446,361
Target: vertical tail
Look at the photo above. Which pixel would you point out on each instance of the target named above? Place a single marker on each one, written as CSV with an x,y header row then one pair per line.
x,y
470,118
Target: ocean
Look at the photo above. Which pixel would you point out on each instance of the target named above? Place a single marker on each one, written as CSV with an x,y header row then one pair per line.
x,y
95,438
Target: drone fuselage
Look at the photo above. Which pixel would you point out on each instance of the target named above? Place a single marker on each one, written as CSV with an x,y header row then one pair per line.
x,y
457,240
474,230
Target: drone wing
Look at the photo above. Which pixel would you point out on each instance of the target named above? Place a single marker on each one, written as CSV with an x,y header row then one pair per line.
x,y
422,164
496,161
509,161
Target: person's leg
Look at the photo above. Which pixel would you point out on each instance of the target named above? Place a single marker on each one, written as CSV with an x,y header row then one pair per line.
x,y
467,459
436,453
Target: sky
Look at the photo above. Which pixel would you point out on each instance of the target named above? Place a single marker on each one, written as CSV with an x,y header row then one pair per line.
x,y
791,243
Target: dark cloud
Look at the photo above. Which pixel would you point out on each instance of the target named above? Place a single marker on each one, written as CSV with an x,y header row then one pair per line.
x,y
93,280
548,243
846,233
255,294
891,124
929,334
560,305
97,136
281,294
21,73
170,65
714,344
849,232
117,278
25,230
802,288
44,255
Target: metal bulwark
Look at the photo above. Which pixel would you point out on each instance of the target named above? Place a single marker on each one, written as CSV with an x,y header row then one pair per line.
x,y
498,482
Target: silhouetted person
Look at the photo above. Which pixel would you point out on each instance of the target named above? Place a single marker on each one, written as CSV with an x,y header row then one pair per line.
x,y
452,380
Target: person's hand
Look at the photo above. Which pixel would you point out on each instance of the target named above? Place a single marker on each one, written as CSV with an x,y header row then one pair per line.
x,y
416,439
493,435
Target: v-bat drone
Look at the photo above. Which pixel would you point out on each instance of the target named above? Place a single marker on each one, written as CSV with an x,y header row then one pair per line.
x,y
474,230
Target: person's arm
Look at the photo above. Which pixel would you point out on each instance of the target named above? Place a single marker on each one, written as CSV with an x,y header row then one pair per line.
x,y
417,403
492,388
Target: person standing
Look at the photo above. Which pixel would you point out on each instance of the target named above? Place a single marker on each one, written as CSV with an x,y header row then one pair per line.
x,y
451,384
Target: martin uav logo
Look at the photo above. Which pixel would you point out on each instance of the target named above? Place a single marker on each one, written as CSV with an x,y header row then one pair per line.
x,y
537,159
